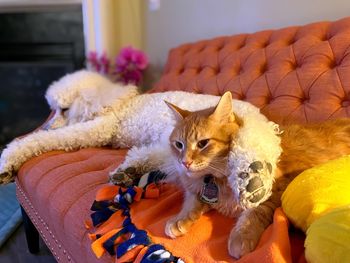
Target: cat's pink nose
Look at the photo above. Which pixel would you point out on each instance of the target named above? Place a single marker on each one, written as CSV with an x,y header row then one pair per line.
x,y
187,164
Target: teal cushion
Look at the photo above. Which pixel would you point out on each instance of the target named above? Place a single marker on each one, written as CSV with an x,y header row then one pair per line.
x,y
10,211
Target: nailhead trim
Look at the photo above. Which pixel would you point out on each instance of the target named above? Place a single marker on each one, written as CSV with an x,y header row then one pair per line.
x,y
49,238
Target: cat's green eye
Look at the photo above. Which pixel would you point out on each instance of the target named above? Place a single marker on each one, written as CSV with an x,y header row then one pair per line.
x,y
202,143
179,145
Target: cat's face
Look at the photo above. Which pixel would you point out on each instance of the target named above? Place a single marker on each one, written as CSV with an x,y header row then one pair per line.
x,y
201,140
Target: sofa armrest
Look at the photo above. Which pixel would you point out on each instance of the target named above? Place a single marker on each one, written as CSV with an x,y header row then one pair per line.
x,y
41,127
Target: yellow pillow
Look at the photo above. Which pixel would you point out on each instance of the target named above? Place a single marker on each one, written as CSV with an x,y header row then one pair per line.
x,y
317,191
328,238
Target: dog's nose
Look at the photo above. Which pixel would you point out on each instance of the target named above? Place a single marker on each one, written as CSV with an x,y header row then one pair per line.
x,y
187,164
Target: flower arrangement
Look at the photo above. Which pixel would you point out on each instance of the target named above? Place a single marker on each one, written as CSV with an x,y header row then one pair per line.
x,y
128,66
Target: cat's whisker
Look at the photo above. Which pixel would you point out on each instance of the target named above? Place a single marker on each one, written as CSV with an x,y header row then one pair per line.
x,y
169,169
222,172
219,160
219,165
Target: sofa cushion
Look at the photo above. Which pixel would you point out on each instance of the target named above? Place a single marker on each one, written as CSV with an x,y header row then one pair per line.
x,y
57,190
295,74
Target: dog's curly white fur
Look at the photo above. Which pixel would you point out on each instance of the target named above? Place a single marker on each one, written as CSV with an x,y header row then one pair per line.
x,y
91,111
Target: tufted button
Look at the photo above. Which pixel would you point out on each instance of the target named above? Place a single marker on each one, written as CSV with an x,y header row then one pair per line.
x,y
293,65
332,64
263,68
324,38
305,100
201,49
291,41
215,70
298,65
268,100
182,70
345,103
200,69
241,45
264,45
220,47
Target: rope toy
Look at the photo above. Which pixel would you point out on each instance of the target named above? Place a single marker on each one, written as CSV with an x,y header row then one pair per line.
x,y
126,242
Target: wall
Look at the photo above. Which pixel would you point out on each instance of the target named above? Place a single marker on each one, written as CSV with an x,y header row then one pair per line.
x,y
112,24
180,21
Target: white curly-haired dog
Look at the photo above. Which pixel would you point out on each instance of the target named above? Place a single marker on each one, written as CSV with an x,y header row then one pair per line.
x,y
91,111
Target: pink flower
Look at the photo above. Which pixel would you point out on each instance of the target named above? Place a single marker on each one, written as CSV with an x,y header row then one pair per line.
x,y
131,77
129,55
129,65
105,63
94,61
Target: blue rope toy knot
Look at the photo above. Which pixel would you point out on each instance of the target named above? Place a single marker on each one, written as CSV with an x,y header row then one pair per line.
x,y
130,236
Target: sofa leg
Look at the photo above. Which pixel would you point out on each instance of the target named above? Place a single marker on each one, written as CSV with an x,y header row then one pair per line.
x,y
32,234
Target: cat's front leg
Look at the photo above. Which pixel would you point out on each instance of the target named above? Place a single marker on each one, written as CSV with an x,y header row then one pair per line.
x,y
139,161
246,234
191,211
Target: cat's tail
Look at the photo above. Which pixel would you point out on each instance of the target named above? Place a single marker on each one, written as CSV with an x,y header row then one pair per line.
x,y
94,133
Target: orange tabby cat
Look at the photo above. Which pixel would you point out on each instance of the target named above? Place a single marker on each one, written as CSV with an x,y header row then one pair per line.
x,y
200,145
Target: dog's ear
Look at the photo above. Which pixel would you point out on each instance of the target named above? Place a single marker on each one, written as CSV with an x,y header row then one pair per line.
x,y
179,113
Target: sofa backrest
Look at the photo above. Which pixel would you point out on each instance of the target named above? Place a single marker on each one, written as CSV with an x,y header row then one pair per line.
x,y
296,74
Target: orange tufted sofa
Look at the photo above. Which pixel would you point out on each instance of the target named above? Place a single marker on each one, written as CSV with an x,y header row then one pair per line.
x,y
295,74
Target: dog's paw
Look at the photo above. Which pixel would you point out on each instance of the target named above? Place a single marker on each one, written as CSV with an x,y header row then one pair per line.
x,y
177,227
255,184
6,177
124,178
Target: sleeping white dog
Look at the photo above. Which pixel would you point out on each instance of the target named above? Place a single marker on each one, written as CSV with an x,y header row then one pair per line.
x,y
91,111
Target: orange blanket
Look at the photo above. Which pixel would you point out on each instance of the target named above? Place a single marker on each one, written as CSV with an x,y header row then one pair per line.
x,y
207,240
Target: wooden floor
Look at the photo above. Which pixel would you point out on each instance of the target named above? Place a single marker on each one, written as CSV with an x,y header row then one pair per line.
x,y
15,250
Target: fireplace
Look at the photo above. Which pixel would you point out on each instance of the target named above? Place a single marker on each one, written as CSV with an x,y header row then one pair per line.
x,y
36,48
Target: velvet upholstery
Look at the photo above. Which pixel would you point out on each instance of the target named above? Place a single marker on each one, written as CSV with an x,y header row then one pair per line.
x,y
296,74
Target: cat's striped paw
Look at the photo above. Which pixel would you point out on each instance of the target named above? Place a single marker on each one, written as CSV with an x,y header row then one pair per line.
x,y
175,228
242,242
124,178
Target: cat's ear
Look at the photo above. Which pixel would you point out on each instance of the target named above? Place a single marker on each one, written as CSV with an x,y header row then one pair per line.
x,y
179,113
223,110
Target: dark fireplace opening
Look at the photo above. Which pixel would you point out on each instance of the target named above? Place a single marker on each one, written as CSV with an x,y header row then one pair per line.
x,y
36,48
